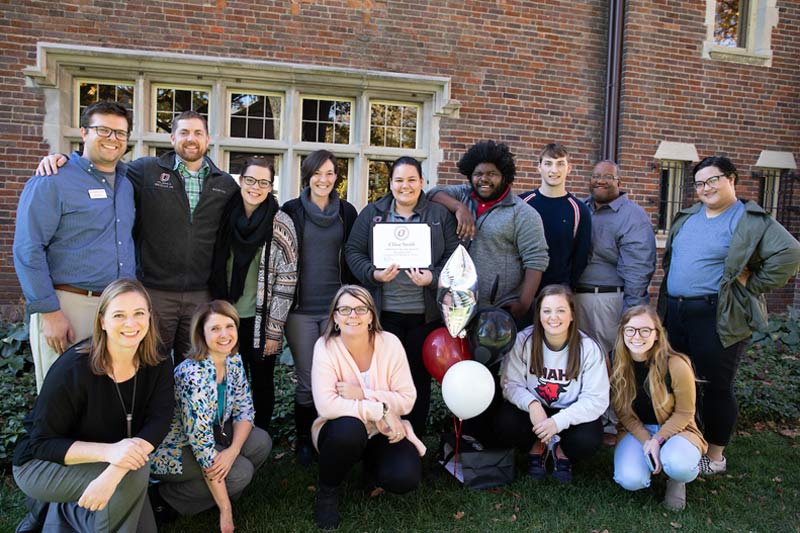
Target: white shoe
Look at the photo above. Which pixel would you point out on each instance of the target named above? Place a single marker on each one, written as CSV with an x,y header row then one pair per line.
x,y
709,467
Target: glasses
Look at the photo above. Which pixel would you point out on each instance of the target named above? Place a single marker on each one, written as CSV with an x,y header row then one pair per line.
x,y
491,174
345,310
604,177
102,131
250,181
630,331
710,182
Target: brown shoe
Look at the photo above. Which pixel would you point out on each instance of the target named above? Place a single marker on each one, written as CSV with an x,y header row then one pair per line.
x,y
675,496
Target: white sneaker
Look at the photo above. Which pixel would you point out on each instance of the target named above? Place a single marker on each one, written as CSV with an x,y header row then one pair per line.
x,y
709,467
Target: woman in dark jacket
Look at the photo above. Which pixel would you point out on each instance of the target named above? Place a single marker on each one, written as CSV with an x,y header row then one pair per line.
x,y
323,222
406,300
255,269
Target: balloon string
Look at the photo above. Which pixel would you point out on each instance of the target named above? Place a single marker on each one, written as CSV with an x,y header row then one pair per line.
x,y
457,428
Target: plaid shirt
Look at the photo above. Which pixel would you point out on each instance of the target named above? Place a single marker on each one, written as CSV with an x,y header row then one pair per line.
x,y
192,183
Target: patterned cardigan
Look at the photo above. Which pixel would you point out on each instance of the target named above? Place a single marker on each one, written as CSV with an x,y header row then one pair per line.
x,y
196,411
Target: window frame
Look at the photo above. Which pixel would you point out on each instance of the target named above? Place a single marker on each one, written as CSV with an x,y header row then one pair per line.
x,y
58,65
760,19
417,131
229,98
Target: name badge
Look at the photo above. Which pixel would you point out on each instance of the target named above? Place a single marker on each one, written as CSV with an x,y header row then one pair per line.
x,y
97,194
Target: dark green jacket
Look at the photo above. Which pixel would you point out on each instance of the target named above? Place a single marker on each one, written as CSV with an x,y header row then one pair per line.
x,y
758,243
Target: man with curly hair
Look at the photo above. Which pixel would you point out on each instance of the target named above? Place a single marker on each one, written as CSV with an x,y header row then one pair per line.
x,y
504,235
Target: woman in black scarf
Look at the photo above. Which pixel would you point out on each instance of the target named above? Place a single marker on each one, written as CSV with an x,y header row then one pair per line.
x,y
255,268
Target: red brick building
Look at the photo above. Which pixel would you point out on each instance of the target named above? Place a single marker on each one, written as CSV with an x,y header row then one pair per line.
x,y
653,84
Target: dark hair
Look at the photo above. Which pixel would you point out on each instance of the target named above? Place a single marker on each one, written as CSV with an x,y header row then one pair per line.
x,y
257,161
573,337
489,152
362,295
105,107
311,164
553,150
147,353
721,162
188,115
199,349
405,160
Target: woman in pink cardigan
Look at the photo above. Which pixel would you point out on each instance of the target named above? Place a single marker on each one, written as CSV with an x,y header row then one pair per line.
x,y
361,385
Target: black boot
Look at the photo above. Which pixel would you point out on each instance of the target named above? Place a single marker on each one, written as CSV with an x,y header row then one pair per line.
x,y
304,416
326,507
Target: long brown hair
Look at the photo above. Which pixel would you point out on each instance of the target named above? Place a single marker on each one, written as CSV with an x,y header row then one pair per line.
x,y
362,295
199,349
573,337
623,381
147,351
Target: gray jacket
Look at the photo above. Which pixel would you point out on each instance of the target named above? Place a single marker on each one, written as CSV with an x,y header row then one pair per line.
x,y
509,239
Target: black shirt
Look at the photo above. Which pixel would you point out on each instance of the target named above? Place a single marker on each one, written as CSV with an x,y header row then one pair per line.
x,y
77,405
643,404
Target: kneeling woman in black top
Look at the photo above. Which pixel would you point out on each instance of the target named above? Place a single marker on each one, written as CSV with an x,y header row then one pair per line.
x,y
104,406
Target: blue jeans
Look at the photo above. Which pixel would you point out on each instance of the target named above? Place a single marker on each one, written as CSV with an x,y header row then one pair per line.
x,y
679,460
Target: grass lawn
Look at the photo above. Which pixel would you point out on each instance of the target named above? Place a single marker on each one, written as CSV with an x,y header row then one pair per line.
x,y
760,492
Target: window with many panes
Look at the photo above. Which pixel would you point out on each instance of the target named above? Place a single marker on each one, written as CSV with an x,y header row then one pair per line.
x,y
675,191
740,31
365,118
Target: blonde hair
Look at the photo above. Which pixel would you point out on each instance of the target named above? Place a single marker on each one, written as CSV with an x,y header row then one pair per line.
x,y
362,295
146,353
199,349
623,381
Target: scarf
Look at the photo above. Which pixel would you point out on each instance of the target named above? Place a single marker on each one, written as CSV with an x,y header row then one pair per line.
x,y
323,219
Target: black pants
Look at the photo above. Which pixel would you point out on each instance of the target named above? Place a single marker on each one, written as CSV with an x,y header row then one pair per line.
x,y
343,442
692,329
513,426
261,370
412,330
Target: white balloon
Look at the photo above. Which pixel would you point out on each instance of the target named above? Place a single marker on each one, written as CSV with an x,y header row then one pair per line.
x,y
467,389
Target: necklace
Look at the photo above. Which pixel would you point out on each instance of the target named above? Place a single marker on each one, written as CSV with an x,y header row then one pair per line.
x,y
128,416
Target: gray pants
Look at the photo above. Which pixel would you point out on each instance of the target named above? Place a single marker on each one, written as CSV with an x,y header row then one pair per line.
x,y
598,316
53,482
174,310
188,493
302,332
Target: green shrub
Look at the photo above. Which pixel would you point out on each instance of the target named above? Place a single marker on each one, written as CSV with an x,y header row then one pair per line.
x,y
18,384
768,383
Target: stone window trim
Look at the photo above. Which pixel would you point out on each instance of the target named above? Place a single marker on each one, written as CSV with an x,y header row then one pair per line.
x,y
771,167
762,17
59,64
668,155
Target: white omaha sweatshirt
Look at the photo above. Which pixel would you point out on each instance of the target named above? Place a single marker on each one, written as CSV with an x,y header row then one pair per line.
x,y
580,400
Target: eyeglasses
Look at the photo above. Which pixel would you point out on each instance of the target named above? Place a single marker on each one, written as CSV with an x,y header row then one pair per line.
x,y
491,174
103,131
630,331
250,181
710,182
604,177
345,310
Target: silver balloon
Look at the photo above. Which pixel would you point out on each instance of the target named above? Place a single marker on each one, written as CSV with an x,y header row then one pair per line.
x,y
458,292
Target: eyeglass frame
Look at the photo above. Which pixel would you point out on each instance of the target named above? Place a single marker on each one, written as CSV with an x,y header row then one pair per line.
x,y
640,331
111,131
605,177
710,182
358,309
256,181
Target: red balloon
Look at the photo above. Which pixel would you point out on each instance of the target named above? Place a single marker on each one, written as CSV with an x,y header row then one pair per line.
x,y
440,351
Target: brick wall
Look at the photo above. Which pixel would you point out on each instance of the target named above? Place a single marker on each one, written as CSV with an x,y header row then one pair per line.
x,y
526,73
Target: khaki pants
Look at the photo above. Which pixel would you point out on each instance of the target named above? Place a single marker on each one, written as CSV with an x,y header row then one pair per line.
x,y
80,310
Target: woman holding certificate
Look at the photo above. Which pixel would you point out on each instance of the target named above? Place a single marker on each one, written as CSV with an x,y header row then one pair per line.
x,y
405,294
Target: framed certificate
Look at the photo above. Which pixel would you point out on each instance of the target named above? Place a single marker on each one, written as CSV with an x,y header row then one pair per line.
x,y
407,244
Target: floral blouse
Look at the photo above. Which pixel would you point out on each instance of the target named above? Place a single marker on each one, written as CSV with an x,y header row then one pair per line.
x,y
196,412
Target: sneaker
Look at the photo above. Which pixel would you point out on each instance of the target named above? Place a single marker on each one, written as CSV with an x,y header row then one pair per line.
x,y
326,508
536,468
562,470
709,467
675,497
